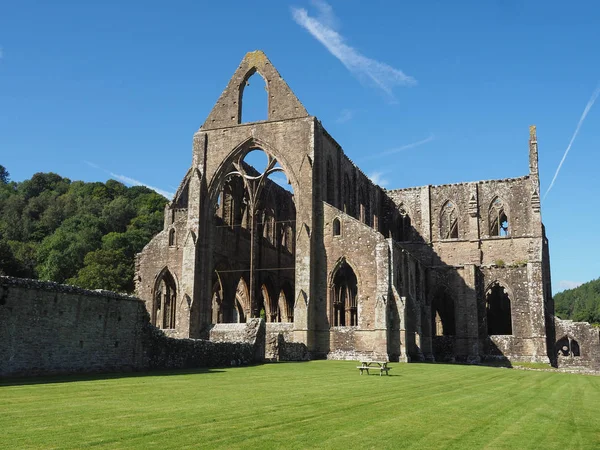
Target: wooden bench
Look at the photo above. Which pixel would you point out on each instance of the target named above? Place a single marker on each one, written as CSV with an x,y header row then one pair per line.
x,y
374,365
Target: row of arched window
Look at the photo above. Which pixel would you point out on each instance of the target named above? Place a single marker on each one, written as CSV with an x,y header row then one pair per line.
x,y
273,306
498,312
497,220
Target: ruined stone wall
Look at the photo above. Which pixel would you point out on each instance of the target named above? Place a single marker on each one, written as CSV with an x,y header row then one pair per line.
x,y
366,252
577,344
160,255
49,328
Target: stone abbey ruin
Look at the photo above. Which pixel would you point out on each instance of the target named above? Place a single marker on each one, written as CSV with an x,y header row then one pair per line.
x,y
337,266
349,269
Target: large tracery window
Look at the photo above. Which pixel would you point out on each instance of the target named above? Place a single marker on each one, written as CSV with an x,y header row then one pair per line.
x,y
449,221
498,311
344,297
165,300
498,217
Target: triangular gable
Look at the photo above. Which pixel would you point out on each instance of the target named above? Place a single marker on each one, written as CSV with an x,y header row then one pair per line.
x,y
283,104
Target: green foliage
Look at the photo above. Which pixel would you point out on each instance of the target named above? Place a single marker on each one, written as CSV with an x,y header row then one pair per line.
x,y
581,304
4,175
105,269
499,263
316,404
59,230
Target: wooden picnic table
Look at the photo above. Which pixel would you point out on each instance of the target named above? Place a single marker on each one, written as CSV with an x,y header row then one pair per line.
x,y
382,366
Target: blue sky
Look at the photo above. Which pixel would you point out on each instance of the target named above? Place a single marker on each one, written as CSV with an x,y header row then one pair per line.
x,y
417,93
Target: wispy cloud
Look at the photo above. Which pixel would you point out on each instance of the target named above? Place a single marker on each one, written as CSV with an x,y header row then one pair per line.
x,y
378,177
322,27
402,148
135,182
345,116
589,105
566,284
95,166
131,181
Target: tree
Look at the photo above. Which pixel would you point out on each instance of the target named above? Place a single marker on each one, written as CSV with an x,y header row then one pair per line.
x,y
4,175
105,269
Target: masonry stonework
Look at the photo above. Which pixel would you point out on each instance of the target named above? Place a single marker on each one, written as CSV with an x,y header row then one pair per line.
x,y
338,265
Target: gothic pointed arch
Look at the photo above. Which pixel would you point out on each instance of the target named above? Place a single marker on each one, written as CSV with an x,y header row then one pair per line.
x,y
498,218
498,298
282,103
402,224
244,111
164,300
241,305
343,295
449,220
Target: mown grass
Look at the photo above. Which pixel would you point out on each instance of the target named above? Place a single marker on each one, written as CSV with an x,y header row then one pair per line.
x,y
323,404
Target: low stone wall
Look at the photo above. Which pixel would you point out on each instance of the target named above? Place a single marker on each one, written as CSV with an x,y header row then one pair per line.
x,y
280,345
47,328
577,344
251,332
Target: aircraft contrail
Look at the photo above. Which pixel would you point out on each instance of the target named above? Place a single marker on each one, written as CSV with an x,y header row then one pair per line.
x,y
589,105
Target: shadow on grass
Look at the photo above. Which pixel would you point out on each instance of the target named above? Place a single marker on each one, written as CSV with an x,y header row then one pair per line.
x,y
496,362
69,378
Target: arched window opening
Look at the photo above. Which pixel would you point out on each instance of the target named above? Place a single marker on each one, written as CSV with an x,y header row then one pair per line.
x,y
337,227
344,296
254,99
330,193
269,305
567,347
241,303
171,237
498,310
442,314
165,301
449,221
285,305
403,226
498,218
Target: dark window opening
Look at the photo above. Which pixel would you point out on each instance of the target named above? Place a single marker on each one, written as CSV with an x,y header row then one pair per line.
x,y
403,226
442,314
171,237
330,194
567,347
337,227
498,311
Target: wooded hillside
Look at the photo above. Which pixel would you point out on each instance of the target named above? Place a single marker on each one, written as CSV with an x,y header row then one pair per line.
x,y
581,304
74,232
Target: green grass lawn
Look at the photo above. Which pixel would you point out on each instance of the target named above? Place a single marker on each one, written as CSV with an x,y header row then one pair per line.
x,y
300,405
